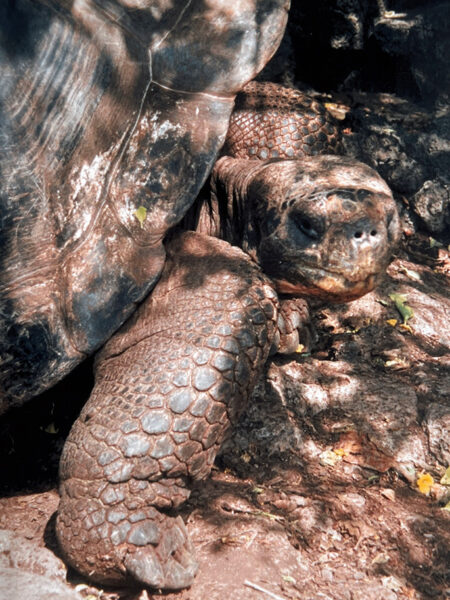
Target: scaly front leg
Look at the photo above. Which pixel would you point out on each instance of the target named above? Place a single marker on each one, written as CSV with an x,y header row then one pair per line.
x,y
168,386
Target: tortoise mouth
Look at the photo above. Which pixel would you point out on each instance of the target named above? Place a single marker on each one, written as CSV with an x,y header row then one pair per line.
x,y
328,285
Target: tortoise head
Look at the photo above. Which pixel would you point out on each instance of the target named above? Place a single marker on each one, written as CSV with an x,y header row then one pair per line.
x,y
321,227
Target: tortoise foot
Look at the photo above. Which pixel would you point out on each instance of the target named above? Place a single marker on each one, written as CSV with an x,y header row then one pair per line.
x,y
116,545
170,565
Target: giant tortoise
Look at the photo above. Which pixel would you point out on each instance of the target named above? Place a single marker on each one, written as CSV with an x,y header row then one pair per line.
x,y
113,114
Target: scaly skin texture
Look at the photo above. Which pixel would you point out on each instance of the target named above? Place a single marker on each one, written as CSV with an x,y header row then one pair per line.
x,y
271,121
167,388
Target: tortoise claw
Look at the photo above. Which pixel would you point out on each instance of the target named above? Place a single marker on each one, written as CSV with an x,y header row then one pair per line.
x,y
294,327
170,565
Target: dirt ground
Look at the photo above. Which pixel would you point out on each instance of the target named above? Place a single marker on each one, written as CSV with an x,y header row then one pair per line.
x,y
324,489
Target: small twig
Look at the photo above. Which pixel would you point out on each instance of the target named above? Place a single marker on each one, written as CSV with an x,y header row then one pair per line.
x,y
260,589
250,542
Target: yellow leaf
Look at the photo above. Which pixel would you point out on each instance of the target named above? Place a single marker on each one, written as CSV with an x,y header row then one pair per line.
x,y
424,483
392,322
329,458
141,215
300,348
446,477
339,111
399,363
340,452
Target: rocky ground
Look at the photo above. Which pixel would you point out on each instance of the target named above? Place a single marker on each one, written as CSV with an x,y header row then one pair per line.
x,y
333,484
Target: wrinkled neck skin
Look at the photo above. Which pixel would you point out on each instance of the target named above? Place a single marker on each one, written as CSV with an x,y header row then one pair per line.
x,y
229,212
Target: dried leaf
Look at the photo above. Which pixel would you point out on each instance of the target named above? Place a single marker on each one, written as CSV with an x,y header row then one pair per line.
x,y
411,274
339,111
424,483
300,348
397,363
392,583
141,215
329,458
388,493
391,14
381,559
392,322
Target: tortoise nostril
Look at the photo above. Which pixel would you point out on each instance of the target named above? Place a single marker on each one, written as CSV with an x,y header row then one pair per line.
x,y
373,233
358,234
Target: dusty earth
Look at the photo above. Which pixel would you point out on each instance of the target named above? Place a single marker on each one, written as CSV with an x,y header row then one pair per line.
x,y
323,491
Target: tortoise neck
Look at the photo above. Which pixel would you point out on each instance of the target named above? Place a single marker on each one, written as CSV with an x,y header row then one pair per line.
x,y
227,212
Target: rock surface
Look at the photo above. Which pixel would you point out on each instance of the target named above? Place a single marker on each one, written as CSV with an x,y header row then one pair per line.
x,y
30,586
30,571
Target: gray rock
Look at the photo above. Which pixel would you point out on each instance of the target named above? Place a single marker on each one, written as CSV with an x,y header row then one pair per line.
x,y
15,583
16,552
432,204
437,427
31,572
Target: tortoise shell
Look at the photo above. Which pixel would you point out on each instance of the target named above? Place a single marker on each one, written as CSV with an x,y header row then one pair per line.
x,y
112,115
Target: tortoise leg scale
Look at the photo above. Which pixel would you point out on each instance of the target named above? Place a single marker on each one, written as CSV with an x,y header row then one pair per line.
x,y
168,386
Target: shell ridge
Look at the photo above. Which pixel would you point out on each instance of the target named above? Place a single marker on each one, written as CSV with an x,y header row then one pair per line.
x,y
187,93
174,26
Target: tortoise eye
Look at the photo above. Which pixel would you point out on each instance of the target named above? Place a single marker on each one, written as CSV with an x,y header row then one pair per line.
x,y
305,225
